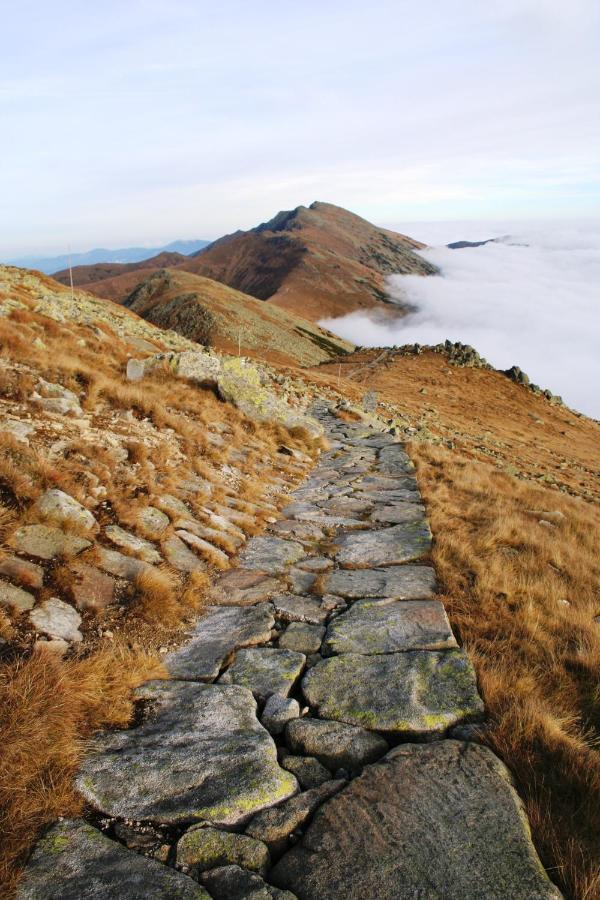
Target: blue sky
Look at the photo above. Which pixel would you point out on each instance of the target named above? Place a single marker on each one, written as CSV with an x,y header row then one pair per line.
x,y
139,122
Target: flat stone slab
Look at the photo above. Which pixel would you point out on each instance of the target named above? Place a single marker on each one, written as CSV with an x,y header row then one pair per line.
x,y
297,608
383,547
271,555
335,744
118,564
379,626
47,542
398,513
91,588
431,821
390,496
27,574
243,587
394,582
419,692
75,861
60,506
265,671
393,460
180,556
200,755
217,635
57,619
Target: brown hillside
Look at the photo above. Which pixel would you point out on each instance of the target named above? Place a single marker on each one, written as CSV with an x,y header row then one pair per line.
x,y
317,261
91,276
212,313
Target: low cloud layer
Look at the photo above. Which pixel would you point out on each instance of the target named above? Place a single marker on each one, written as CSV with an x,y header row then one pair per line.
x,y
535,306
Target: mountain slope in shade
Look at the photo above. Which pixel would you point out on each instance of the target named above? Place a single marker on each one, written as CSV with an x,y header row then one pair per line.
x,y
210,312
123,255
317,261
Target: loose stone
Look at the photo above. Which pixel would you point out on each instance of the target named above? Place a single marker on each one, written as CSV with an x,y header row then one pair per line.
x,y
74,861
15,597
200,755
445,822
27,574
57,505
132,544
335,744
296,608
180,556
91,588
265,671
413,693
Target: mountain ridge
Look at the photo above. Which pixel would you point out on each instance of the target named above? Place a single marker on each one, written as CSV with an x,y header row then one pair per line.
x,y
123,255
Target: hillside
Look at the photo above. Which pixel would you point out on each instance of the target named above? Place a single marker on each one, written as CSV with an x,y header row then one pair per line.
x,y
316,262
212,313
98,277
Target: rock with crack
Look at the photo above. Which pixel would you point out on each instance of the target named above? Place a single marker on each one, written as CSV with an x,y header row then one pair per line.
x,y
297,608
387,626
265,671
394,460
335,744
221,631
445,820
202,848
414,693
307,769
383,547
201,755
394,582
274,826
74,861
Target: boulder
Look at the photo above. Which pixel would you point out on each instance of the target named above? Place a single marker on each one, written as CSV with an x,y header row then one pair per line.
x,y
278,712
234,883
436,820
307,769
200,755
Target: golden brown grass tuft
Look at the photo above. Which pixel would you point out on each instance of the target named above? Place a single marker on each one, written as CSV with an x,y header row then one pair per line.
x,y
522,595
49,708
156,597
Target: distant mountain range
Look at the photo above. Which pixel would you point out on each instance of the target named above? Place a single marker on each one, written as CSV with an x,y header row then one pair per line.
x,y
505,239
124,255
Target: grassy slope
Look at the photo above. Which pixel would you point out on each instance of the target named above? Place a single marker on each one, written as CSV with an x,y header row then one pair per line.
x,y
510,548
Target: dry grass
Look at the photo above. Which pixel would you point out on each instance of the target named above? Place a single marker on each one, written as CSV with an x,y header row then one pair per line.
x,y
48,711
506,577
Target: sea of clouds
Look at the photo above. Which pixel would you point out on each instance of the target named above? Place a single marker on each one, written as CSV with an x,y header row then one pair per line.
x,y
531,299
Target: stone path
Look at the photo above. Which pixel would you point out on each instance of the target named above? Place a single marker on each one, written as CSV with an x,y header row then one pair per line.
x,y
307,742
